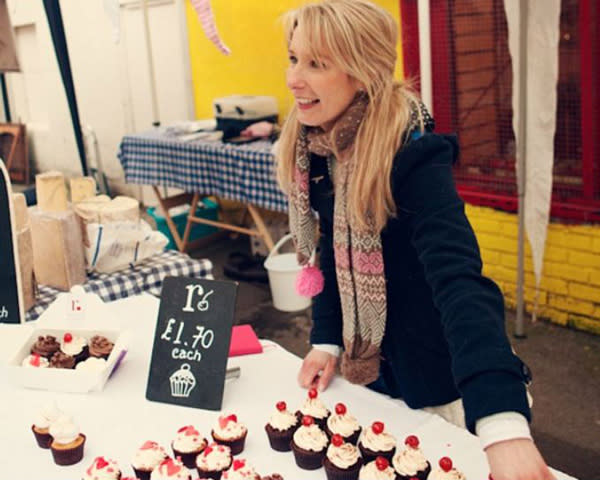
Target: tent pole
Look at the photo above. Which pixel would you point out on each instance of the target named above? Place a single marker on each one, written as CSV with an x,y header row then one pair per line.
x,y
7,117
155,115
425,76
522,166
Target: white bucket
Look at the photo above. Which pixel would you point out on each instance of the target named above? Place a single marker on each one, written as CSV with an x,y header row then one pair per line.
x,y
283,269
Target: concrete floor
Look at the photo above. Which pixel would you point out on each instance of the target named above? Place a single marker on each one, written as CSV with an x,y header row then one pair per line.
x,y
565,365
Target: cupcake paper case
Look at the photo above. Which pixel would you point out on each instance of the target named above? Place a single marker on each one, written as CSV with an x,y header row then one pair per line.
x,y
68,443
281,428
146,458
230,432
375,442
187,444
342,461
309,444
102,469
213,461
410,462
344,424
314,407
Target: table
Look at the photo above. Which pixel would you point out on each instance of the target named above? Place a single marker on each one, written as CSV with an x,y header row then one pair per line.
x,y
244,173
146,276
119,419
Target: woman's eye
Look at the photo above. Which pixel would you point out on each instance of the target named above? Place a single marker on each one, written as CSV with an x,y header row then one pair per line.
x,y
293,59
315,64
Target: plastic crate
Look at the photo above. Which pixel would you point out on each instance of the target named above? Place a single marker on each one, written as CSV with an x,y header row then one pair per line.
x,y
206,209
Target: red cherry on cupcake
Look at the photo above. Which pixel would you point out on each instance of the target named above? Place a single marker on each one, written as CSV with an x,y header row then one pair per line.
x,y
377,427
412,441
281,406
340,408
382,463
312,393
182,429
445,464
35,360
307,420
67,337
337,440
237,464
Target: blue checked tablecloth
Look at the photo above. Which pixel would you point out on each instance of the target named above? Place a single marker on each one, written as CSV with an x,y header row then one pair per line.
x,y
146,276
245,173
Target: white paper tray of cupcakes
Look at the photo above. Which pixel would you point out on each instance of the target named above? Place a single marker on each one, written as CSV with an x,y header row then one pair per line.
x,y
74,360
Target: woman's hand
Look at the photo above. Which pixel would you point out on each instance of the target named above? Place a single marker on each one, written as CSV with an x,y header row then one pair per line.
x,y
318,369
517,459
259,129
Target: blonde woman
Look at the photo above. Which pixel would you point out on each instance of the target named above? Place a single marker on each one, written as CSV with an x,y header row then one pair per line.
x,y
404,308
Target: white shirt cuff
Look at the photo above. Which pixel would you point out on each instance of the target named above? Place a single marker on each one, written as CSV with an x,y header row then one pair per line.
x,y
500,427
330,348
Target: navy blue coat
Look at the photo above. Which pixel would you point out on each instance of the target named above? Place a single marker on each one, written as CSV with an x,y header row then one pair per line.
x,y
445,336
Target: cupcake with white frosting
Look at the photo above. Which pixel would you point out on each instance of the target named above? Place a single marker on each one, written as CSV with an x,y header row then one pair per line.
x,y
147,458
309,444
378,469
375,442
102,469
410,462
281,427
75,346
213,461
446,471
342,461
35,360
68,442
314,407
170,469
187,444
240,470
47,414
230,432
344,424
91,364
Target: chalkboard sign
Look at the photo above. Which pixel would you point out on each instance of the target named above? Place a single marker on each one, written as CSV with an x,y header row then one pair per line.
x,y
11,307
191,342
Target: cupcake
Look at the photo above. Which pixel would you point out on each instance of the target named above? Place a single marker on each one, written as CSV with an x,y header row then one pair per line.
x,y
74,346
91,364
213,461
48,414
240,470
314,408
62,360
342,461
410,463
187,444
446,471
67,444
100,347
170,469
230,432
378,469
376,442
344,424
281,428
146,458
102,469
309,444
45,346
35,360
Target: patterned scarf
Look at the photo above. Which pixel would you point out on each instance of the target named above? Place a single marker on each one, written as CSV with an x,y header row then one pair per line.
x,y
358,254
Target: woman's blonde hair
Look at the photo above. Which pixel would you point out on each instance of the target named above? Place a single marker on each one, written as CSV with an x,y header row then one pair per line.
x,y
360,38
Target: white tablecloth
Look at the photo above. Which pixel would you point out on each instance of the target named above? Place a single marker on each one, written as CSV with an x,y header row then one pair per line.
x,y
119,419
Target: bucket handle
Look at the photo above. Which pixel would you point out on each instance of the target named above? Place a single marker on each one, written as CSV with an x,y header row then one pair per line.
x,y
281,241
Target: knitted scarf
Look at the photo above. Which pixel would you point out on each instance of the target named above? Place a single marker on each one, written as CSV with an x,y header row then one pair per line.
x,y
358,254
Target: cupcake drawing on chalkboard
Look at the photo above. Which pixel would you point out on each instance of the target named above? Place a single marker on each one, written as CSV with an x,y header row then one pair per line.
x,y
182,382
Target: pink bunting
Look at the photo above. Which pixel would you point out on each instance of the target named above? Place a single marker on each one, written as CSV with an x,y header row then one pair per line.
x,y
207,20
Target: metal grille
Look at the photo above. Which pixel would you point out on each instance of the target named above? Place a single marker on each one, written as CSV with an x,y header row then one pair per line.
x,y
472,78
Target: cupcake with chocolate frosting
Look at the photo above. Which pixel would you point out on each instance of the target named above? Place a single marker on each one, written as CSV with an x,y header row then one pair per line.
x,y
100,347
342,461
281,427
344,424
410,462
45,346
309,444
62,360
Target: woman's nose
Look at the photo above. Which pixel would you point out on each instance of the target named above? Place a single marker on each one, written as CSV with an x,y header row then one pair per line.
x,y
295,78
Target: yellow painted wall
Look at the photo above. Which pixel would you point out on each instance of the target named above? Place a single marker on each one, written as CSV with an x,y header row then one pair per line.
x,y
570,286
256,66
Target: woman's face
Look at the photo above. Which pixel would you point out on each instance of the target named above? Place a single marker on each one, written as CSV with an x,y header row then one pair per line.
x,y
322,91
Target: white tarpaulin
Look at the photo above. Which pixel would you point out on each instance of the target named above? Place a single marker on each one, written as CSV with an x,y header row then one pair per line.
x,y
543,21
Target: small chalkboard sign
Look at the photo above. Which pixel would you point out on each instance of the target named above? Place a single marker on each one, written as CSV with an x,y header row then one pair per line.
x,y
191,342
11,306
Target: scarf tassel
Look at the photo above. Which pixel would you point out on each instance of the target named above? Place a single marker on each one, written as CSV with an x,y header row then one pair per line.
x,y
310,281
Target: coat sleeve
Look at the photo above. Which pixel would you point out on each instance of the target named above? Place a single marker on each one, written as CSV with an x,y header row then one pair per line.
x,y
326,309
488,375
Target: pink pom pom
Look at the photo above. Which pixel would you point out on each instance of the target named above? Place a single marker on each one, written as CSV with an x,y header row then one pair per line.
x,y
309,281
